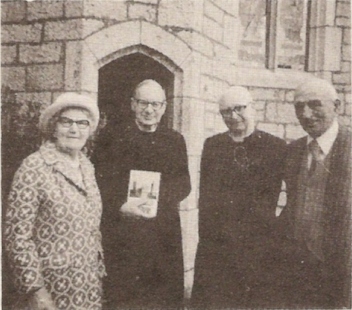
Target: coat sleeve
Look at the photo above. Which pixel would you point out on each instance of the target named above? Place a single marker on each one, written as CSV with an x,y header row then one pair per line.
x,y
207,202
23,204
179,185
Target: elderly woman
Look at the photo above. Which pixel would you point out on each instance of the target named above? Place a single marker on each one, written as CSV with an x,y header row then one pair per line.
x,y
52,235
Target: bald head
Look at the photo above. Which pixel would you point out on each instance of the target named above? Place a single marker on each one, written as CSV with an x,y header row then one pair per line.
x,y
316,105
235,95
237,111
316,89
152,87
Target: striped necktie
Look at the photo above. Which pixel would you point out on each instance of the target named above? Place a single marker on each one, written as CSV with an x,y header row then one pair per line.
x,y
317,155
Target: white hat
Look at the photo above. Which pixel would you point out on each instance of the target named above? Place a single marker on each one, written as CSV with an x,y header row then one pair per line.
x,y
233,96
316,89
70,100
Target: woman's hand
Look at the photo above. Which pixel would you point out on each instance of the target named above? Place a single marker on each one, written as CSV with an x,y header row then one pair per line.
x,y
41,300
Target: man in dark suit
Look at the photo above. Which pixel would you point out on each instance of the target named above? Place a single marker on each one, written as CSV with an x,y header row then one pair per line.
x,y
315,224
142,245
240,183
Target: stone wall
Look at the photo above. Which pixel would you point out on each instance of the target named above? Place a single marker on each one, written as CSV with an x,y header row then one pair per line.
x,y
49,47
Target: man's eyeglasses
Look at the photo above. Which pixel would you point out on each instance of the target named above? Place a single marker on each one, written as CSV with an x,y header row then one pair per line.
x,y
67,123
312,104
239,109
143,104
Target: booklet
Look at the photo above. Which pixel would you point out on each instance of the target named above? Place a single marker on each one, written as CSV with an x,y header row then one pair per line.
x,y
145,185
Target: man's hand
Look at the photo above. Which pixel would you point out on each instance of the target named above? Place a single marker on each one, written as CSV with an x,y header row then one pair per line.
x,y
139,208
41,300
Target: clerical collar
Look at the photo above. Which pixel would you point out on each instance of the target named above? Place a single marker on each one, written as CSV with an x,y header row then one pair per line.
x,y
327,139
147,131
239,139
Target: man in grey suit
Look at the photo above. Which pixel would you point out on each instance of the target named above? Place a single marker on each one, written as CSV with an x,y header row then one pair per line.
x,y
314,227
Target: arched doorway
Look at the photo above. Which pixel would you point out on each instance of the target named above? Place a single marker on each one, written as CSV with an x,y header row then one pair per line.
x,y
117,80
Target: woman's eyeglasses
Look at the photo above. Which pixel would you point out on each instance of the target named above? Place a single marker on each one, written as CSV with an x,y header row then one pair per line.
x,y
67,122
143,104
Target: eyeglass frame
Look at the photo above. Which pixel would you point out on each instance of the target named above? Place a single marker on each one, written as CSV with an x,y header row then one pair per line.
x,y
69,122
152,103
238,109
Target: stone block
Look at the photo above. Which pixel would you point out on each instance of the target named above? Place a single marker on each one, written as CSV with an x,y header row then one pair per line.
x,y
166,43
260,115
74,8
142,11
228,6
346,52
214,12
222,71
21,33
209,120
346,39
271,114
90,26
223,54
46,52
114,38
345,66
259,105
44,9
13,78
275,129
116,10
147,1
43,98
231,32
348,109
343,9
212,29
207,88
198,42
325,44
63,30
183,14
343,22
294,132
325,75
45,77
341,78
73,65
8,54
286,113
268,94
323,13
289,95
13,11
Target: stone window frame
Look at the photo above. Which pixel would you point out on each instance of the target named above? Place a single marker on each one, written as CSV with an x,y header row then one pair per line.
x,y
322,56
271,40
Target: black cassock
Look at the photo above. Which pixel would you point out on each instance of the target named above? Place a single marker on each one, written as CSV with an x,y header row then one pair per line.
x,y
143,257
239,188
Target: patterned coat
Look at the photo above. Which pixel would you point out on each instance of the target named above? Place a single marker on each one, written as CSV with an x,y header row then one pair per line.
x,y
52,235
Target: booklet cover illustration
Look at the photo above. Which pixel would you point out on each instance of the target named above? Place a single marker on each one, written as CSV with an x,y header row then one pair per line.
x,y
145,185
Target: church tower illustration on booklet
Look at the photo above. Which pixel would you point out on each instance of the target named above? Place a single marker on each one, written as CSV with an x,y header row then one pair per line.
x,y
144,185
